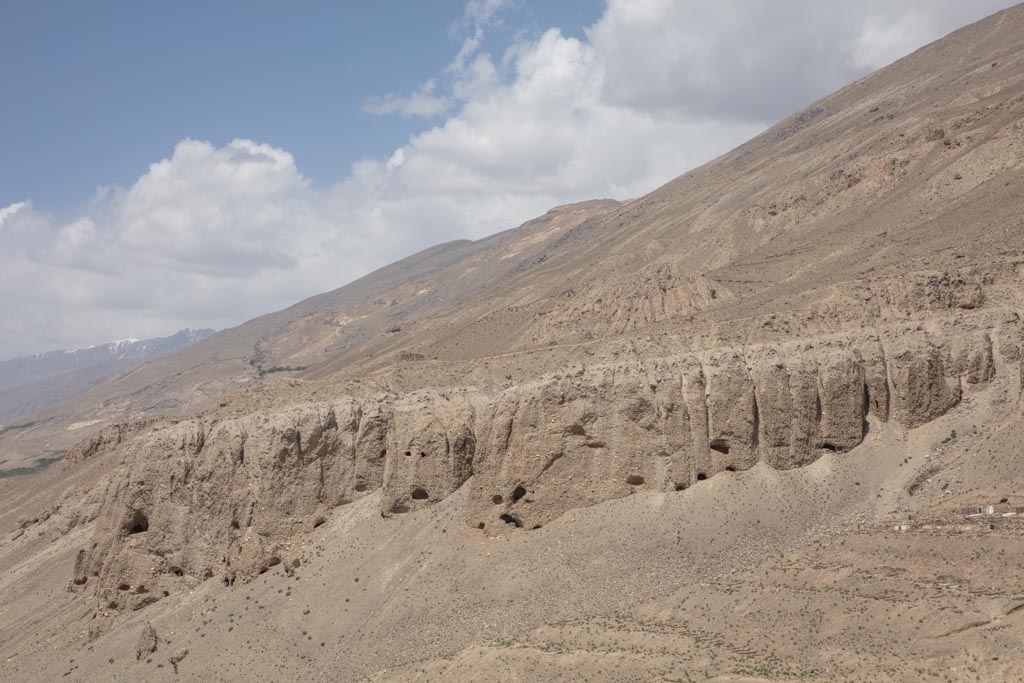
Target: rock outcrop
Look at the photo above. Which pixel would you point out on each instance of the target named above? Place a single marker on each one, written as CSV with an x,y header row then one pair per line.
x,y
147,641
106,439
431,445
224,498
230,498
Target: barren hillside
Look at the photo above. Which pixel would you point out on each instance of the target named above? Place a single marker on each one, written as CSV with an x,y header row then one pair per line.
x,y
746,427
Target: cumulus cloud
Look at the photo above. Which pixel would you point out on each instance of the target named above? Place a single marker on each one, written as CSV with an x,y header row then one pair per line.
x,y
9,211
211,236
891,30
758,61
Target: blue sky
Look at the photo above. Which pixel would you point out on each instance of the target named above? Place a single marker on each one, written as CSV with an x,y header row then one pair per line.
x,y
96,91
183,164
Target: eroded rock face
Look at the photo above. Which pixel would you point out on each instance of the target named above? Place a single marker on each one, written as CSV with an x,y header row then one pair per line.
x,y
574,440
733,416
222,499
107,438
432,444
227,499
921,389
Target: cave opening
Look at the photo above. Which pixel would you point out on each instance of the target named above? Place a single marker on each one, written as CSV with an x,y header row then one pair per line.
x,y
513,520
518,493
419,494
137,523
720,446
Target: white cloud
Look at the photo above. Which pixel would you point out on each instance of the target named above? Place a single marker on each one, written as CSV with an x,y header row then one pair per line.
x,y
463,75
212,236
478,17
759,61
890,30
10,210
423,102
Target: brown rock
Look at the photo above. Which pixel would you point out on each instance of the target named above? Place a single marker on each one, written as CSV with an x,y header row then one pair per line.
x,y
147,641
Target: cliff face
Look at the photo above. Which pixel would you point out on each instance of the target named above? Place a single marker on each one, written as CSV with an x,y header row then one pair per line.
x,y
228,498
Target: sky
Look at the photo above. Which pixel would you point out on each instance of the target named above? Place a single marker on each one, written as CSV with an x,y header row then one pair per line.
x,y
196,164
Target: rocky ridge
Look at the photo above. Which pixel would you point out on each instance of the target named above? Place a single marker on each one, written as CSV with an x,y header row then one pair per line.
x,y
530,451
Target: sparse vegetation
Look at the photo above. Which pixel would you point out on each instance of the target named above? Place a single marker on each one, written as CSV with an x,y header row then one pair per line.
x,y
40,465
262,371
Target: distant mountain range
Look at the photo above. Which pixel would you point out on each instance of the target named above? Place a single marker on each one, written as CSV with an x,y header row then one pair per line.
x,y
29,383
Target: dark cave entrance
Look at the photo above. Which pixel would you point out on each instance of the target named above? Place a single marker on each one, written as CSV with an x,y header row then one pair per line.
x,y
513,520
137,523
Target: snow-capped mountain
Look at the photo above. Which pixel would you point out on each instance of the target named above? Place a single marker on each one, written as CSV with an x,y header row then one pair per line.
x,y
30,383
26,369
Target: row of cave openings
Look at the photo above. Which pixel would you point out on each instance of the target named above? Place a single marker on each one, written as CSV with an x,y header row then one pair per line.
x,y
139,522
510,518
637,480
418,493
721,446
136,523
519,493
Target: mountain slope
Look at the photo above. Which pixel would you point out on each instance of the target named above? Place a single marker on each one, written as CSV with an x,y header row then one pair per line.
x,y
914,168
736,429
32,383
307,333
645,346
27,369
